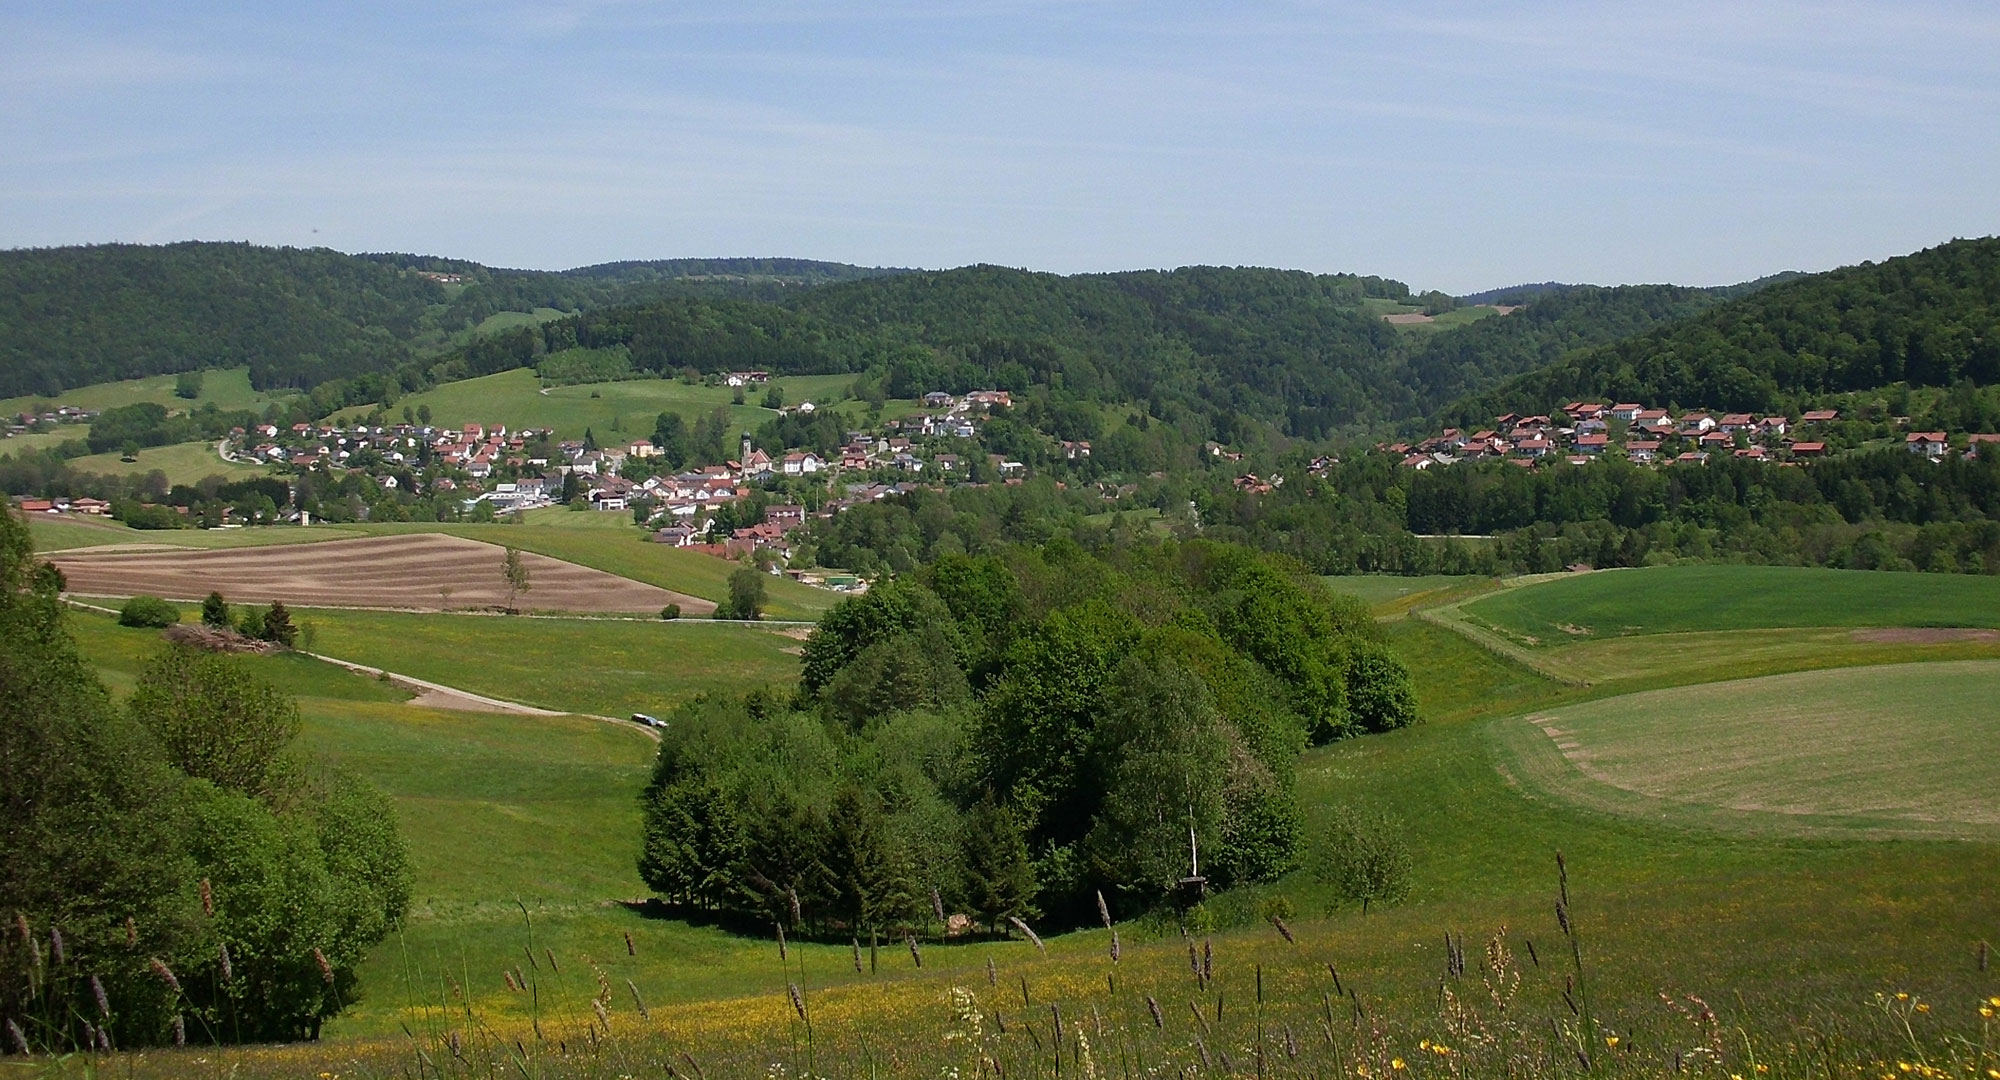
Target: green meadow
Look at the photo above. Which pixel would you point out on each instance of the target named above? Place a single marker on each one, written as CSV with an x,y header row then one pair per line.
x,y
228,389
1669,599
1394,594
523,831
612,411
602,666
1892,750
184,463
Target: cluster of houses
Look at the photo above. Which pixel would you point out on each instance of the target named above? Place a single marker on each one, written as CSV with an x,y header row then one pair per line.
x,y
27,423
526,468
1582,432
92,507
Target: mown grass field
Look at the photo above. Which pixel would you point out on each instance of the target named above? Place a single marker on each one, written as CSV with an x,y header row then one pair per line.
x,y
1896,750
228,388
1670,599
1392,594
613,411
184,463
606,667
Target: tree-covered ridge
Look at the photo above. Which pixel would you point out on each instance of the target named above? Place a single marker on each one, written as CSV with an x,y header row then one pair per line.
x,y
1015,734
1489,351
1927,319
79,315
299,317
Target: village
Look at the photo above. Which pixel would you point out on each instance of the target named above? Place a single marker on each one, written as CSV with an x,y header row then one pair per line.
x,y
494,470
1583,432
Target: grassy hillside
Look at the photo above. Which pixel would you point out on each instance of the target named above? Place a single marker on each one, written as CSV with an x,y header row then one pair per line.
x,y
613,411
227,389
184,463
1672,599
505,811
1896,750
605,667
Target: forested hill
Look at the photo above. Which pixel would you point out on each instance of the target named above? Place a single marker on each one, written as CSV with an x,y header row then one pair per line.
x,y
1562,320
299,317
1927,319
1216,351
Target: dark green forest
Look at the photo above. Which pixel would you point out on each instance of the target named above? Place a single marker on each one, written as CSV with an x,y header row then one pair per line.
x,y
299,317
1927,319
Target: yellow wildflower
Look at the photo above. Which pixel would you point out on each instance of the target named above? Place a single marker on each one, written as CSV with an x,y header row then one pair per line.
x,y
1922,1007
1763,1068
1901,996
1611,1040
1993,1001
1986,1011
1361,1069
1397,1063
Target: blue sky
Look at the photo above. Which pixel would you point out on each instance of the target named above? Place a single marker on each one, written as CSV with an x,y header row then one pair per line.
x,y
1455,146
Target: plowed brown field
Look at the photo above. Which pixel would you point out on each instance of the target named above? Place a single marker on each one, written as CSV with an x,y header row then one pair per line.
x,y
423,572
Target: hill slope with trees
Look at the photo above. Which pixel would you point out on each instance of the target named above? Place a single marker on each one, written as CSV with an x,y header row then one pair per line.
x,y
1927,319
298,317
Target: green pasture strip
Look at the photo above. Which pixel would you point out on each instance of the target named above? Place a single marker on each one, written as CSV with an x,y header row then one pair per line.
x,y
1392,594
1668,599
1455,679
1900,750
43,440
605,667
121,653
227,388
184,463
57,532
620,411
1649,661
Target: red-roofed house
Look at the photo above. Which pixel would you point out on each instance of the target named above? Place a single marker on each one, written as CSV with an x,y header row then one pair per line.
x,y
1931,444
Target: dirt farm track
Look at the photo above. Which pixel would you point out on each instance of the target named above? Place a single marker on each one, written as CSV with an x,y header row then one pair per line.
x,y
425,572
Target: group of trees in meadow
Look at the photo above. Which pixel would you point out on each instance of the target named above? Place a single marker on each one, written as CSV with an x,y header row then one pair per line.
x,y
176,869
1008,735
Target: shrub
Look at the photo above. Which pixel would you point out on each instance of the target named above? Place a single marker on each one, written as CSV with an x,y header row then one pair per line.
x,y
215,612
671,611
148,611
1364,857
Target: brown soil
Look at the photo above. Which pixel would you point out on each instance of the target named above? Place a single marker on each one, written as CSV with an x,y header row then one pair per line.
x,y
1923,635
423,572
1408,318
